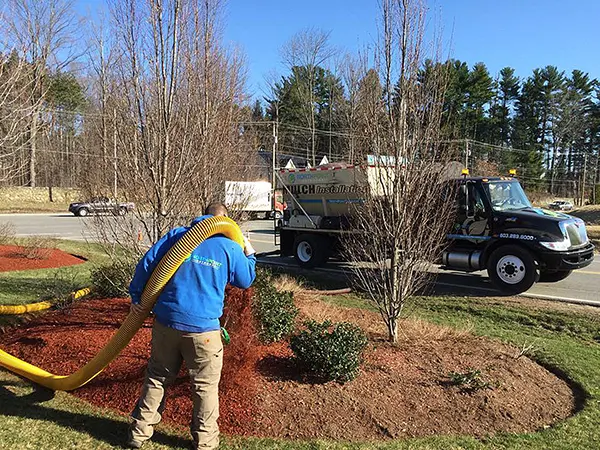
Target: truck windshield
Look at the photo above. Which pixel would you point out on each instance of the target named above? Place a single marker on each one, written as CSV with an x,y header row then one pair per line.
x,y
507,195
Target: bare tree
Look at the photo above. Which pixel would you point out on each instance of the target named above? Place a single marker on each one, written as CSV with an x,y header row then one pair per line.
x,y
14,114
353,69
177,94
45,32
403,223
308,50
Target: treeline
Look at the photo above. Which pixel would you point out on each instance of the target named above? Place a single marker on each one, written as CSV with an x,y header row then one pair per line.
x,y
546,125
154,92
144,105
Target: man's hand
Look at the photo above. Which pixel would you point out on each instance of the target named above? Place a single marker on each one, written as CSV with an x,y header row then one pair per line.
x,y
248,249
136,308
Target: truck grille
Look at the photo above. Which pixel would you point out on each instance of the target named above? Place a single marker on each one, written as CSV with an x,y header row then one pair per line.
x,y
576,231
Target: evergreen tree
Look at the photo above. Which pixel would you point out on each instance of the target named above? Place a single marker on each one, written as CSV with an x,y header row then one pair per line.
x,y
257,112
294,113
502,110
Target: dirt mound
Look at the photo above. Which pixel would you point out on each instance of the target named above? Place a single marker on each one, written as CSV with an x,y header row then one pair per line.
x,y
401,391
13,257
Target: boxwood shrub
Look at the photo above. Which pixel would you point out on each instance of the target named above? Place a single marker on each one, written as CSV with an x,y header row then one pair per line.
x,y
331,352
275,312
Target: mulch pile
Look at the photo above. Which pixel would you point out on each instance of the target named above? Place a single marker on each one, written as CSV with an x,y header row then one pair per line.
x,y
401,391
13,257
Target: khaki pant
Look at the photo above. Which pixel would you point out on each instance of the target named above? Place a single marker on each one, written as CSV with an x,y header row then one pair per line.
x,y
203,356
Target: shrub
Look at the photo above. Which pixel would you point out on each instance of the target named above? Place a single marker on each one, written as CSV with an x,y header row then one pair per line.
x,y
332,352
274,311
112,279
7,232
61,287
35,247
471,380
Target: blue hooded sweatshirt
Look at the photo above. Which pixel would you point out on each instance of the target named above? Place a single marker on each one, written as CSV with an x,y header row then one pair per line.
x,y
193,298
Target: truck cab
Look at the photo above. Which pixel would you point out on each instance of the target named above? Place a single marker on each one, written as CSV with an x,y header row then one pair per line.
x,y
498,230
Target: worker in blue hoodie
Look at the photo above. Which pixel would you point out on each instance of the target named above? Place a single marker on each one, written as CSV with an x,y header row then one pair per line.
x,y
186,328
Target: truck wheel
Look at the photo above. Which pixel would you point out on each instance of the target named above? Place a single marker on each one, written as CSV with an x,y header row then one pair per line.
x,y
553,277
82,212
512,269
310,251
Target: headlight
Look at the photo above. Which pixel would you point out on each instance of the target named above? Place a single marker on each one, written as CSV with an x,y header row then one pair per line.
x,y
558,246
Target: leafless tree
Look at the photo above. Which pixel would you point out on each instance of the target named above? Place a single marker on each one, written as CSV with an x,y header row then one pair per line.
x,y
403,222
176,94
14,114
308,49
45,32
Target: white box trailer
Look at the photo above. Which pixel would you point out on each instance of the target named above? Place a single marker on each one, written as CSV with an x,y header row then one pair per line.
x,y
252,199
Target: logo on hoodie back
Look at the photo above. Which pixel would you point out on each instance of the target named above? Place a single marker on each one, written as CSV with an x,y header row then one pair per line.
x,y
202,260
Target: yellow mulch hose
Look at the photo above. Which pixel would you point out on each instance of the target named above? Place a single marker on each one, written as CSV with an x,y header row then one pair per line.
x,y
167,266
39,306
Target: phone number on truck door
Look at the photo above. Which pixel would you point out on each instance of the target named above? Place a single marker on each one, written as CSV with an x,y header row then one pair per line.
x,y
525,237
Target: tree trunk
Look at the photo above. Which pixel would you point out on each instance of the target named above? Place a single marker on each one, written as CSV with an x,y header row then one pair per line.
x,y
32,153
392,327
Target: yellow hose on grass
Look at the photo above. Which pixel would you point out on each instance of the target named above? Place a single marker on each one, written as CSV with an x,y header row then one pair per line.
x,y
167,266
39,306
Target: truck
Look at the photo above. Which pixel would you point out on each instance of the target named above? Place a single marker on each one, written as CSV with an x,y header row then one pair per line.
x,y
496,228
98,205
252,199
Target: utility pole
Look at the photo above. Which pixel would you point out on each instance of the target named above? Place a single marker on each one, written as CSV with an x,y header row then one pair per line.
x,y
467,153
274,177
274,168
330,116
115,153
583,179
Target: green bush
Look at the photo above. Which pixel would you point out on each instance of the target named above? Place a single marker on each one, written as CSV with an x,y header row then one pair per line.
x,y
275,312
332,352
112,279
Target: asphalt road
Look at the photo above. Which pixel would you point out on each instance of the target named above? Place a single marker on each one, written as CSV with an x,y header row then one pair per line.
x,y
583,285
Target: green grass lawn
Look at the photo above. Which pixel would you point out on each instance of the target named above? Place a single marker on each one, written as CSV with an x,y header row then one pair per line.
x,y
566,342
27,286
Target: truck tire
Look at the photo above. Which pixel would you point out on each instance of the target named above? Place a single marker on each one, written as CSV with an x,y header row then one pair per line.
x,y
512,269
554,276
310,250
82,212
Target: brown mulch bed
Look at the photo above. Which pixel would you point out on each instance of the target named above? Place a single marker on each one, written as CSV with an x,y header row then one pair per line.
x,y
13,257
402,390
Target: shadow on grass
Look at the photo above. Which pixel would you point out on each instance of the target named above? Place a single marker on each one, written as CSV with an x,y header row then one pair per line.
x,y
29,286
113,432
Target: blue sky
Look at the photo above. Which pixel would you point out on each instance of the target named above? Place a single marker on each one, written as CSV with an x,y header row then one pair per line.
x,y
523,34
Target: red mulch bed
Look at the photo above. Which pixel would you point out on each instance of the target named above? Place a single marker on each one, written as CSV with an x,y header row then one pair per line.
x,y
401,391
63,341
13,257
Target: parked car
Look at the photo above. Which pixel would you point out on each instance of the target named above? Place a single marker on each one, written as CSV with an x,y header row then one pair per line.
x,y
561,205
100,205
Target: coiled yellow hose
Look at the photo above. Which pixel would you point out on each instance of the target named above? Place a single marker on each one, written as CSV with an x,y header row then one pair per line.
x,y
39,306
167,266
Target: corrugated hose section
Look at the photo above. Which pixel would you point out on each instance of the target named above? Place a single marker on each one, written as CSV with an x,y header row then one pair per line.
x,y
39,306
167,266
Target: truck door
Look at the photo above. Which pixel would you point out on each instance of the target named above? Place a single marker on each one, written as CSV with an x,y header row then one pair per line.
x,y
473,213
